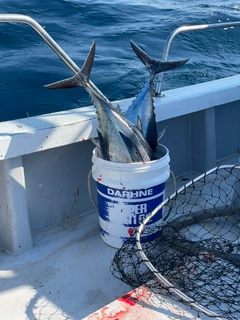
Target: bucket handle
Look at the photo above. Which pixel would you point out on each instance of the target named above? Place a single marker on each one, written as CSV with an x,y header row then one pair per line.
x,y
90,190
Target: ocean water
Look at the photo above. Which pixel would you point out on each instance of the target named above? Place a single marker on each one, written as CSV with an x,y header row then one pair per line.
x,y
27,63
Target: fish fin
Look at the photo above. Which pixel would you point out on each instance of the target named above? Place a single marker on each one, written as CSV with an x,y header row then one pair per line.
x,y
118,109
103,146
81,77
161,134
139,124
132,149
155,66
95,141
87,66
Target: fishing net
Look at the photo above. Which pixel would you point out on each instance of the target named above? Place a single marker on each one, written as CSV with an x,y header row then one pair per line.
x,y
195,258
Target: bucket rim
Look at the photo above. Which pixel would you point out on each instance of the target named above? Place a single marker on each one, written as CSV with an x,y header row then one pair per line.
x,y
165,159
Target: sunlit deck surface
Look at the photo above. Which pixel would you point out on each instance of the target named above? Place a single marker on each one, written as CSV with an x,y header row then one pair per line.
x,y
67,276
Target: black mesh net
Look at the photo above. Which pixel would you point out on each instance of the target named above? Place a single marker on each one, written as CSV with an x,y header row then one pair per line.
x,y
196,256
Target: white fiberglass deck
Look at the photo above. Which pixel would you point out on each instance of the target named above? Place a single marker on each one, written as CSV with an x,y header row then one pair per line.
x,y
64,277
67,276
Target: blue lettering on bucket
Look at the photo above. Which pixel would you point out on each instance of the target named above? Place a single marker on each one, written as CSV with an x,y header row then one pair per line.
x,y
131,194
122,211
130,212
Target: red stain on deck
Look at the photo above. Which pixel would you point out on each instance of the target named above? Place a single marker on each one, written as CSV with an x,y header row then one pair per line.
x,y
118,312
128,299
107,313
125,308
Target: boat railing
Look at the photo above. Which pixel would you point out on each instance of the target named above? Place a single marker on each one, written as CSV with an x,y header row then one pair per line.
x,y
181,29
20,18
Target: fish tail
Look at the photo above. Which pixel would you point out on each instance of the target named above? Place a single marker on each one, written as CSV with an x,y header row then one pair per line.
x,y
155,66
81,78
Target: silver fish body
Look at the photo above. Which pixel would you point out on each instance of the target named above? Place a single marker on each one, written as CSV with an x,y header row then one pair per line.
x,y
116,131
119,139
143,105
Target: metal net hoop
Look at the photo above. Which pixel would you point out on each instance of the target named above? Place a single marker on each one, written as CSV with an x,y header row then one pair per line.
x,y
197,249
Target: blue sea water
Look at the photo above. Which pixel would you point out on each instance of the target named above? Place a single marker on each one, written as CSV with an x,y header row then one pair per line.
x,y
27,63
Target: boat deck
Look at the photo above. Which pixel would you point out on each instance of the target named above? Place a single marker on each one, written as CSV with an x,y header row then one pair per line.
x,y
67,276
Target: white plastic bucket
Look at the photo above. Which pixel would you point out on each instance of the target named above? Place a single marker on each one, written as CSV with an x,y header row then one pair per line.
x,y
127,193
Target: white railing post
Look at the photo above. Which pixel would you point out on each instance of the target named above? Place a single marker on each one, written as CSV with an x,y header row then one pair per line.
x,y
175,32
15,231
